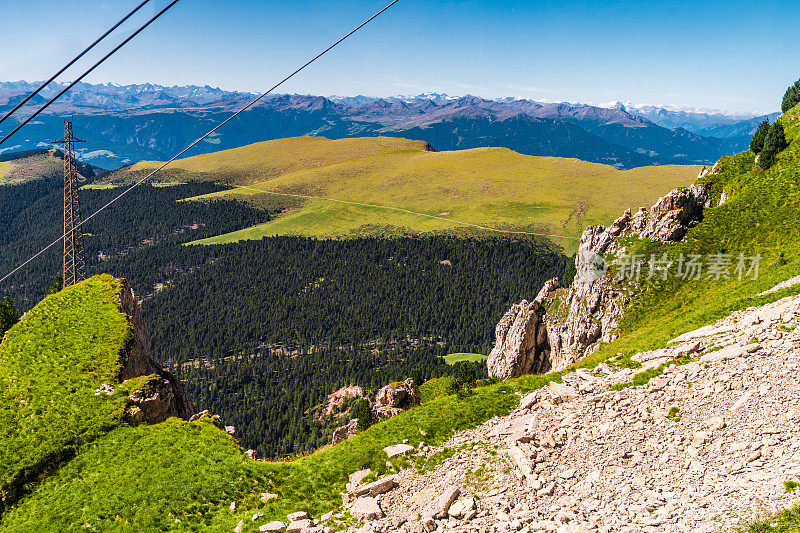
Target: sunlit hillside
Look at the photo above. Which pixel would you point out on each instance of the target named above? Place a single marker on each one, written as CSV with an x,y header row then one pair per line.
x,y
338,188
29,166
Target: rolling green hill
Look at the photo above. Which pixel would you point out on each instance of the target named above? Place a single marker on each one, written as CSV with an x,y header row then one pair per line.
x,y
23,167
381,185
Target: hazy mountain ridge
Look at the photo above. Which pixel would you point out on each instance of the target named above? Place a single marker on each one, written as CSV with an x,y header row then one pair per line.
x,y
125,124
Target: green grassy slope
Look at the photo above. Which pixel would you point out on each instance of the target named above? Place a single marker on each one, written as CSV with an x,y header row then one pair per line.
x,y
30,167
180,476
51,362
493,187
174,476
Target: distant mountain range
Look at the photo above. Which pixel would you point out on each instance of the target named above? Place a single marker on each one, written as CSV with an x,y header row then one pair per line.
x,y
126,124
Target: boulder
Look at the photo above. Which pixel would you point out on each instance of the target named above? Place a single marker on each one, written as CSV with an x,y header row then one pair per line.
x,y
461,507
105,388
299,515
398,450
298,526
344,432
373,489
354,479
394,398
439,507
366,508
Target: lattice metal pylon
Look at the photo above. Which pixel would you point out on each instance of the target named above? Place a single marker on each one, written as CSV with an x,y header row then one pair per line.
x,y
74,259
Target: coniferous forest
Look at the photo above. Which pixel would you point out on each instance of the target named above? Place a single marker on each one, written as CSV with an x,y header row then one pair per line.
x,y
260,332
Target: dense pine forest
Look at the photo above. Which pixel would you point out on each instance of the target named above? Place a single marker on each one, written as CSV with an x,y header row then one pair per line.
x,y
304,292
31,217
274,400
262,331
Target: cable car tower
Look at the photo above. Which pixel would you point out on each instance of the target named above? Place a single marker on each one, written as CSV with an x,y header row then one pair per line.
x,y
74,259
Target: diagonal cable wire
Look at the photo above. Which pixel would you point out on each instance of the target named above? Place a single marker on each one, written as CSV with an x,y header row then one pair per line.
x,y
210,132
85,51
87,72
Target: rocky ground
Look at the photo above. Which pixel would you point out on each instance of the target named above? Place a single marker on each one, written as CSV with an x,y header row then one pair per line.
x,y
703,447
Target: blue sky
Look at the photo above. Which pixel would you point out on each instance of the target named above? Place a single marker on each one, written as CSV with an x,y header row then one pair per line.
x,y
734,54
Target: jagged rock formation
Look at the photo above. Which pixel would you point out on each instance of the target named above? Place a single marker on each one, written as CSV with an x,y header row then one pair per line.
x,y
696,449
521,337
162,396
589,312
345,432
522,346
563,325
394,398
667,221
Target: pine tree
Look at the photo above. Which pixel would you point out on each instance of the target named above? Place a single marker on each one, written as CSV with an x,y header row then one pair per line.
x,y
364,415
791,97
415,376
569,272
757,143
8,315
773,144
466,375
56,285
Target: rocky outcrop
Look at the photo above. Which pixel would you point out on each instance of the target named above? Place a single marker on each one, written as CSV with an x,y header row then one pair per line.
x,y
589,313
563,325
667,221
162,396
344,432
518,350
390,401
135,356
159,400
394,398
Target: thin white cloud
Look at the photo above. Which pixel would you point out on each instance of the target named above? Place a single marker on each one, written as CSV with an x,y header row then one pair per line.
x,y
523,88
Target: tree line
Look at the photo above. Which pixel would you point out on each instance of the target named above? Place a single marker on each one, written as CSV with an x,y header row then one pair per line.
x,y
770,139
